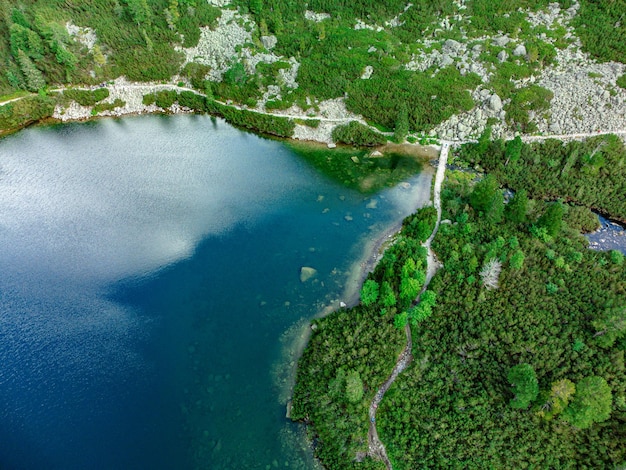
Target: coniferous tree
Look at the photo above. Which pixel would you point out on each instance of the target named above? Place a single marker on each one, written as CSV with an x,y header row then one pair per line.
x,y
517,207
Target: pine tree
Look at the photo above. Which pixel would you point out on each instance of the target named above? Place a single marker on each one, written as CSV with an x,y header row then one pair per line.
x,y
402,124
517,207
34,78
525,385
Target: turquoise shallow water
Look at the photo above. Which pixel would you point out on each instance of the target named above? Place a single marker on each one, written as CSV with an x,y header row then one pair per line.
x,y
150,296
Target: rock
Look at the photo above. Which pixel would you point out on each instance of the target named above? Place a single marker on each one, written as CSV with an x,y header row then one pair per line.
x,y
500,41
446,60
502,56
477,48
495,103
269,41
376,153
555,128
451,46
306,273
331,145
342,304
519,50
372,49
355,159
484,93
367,73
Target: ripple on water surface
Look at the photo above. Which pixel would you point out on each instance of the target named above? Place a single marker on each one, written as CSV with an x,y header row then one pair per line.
x,y
149,267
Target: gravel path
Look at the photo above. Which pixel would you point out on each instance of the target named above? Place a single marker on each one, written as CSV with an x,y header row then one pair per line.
x,y
376,447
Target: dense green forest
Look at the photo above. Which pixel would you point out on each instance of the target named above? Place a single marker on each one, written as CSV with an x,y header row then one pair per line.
x,y
518,354
590,173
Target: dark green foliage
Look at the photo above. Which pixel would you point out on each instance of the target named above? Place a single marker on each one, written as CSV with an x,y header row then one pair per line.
x,y
551,219
601,27
274,125
165,98
34,77
379,98
540,171
451,409
196,73
513,149
362,342
525,386
420,225
25,111
517,207
581,219
358,134
531,98
193,101
610,325
591,403
488,199
621,81
369,292
86,97
401,128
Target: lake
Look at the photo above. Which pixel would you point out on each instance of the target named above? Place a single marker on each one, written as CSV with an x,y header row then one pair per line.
x,y
151,306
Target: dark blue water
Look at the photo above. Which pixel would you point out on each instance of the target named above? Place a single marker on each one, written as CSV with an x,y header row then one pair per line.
x,y
150,298
610,236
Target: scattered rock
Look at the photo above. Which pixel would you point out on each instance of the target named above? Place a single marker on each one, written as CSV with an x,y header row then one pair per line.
x,y
355,159
500,41
331,145
495,103
519,50
502,56
342,304
269,41
306,273
367,73
451,46
446,60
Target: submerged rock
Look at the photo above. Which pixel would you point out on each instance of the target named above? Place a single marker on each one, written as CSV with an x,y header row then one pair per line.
x,y
306,273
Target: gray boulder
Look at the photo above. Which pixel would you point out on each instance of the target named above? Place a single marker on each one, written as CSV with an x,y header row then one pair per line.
x,y
500,41
519,50
268,41
451,46
502,56
495,103
446,60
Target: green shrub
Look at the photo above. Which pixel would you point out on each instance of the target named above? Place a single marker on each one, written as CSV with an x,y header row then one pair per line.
x,y
25,111
86,97
357,134
165,98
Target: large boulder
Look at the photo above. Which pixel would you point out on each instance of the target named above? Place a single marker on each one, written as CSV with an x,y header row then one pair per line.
x,y
519,50
306,273
494,103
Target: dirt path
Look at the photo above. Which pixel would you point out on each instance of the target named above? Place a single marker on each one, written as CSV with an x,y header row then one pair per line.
x,y
376,447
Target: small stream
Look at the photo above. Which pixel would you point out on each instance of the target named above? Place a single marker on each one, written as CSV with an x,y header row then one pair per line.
x,y
610,236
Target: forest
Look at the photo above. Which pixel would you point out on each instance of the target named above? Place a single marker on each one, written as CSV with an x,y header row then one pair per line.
x,y
518,354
